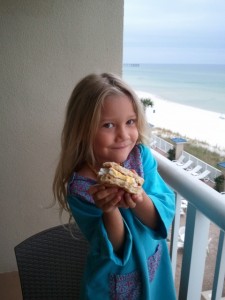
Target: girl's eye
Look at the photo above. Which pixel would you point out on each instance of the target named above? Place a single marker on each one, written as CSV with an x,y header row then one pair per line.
x,y
131,122
108,125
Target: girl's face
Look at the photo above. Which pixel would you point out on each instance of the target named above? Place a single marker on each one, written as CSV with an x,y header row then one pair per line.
x,y
117,133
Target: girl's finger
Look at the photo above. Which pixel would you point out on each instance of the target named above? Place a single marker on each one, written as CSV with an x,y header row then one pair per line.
x,y
112,204
105,195
95,188
101,201
122,204
137,198
129,201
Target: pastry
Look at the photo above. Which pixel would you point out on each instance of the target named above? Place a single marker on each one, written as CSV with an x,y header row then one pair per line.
x,y
114,174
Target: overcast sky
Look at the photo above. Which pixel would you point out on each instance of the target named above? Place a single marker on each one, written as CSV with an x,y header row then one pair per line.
x,y
174,31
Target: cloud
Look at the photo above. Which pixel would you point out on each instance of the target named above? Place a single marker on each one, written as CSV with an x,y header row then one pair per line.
x,y
174,25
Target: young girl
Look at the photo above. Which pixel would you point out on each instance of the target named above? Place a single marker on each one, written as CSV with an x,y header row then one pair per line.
x,y
128,256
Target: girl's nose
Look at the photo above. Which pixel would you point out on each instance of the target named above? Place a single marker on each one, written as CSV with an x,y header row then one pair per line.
x,y
121,132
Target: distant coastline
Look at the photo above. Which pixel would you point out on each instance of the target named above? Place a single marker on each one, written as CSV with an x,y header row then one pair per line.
x,y
200,86
131,65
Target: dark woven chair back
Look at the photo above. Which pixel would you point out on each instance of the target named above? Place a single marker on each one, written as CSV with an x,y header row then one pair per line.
x,y
51,264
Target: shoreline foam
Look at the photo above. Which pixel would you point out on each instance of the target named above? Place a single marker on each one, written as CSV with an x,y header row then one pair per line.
x,y
193,123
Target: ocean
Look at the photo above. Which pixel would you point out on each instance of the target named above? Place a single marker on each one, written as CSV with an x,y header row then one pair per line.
x,y
199,86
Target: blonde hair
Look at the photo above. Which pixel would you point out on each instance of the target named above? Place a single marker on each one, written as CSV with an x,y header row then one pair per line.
x,y
81,124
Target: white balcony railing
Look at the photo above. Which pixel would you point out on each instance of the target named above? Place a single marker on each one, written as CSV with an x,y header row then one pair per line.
x,y
205,205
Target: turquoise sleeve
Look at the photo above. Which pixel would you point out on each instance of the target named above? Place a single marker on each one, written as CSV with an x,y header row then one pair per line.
x,y
158,191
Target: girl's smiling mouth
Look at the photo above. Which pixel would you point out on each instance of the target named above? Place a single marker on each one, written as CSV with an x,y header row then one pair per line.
x,y
118,147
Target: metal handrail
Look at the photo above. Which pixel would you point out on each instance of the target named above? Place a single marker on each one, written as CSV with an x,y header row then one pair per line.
x,y
204,198
205,205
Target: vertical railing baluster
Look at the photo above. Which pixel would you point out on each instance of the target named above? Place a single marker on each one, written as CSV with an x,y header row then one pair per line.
x,y
174,235
219,269
194,254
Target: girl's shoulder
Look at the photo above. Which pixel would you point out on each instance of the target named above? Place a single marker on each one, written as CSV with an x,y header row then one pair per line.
x,y
79,185
138,152
144,149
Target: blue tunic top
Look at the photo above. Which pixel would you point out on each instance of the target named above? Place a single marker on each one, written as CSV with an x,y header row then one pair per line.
x,y
143,270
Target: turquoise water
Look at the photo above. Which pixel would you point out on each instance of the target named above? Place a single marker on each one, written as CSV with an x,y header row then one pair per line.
x,y
201,86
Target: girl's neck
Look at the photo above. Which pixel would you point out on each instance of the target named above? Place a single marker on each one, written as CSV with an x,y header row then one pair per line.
x,y
94,169
86,171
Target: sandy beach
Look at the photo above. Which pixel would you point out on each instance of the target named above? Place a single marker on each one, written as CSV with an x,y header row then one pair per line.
x,y
187,121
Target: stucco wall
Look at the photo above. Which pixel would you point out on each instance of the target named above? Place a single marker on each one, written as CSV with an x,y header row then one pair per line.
x,y
46,47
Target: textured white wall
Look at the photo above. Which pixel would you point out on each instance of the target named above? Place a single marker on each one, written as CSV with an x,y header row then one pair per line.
x,y
46,47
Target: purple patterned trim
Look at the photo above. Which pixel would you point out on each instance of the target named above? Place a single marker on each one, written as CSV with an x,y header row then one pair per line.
x,y
126,286
153,262
80,185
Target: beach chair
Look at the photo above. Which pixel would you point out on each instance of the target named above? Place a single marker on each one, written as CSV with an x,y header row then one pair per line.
x,y
153,144
184,204
180,160
182,212
196,170
186,165
183,207
182,233
181,237
204,175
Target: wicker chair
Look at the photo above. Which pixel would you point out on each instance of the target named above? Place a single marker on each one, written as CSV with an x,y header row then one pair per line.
x,y
51,264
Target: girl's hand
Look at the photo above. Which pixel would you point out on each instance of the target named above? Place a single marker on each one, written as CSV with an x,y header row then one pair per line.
x,y
106,198
130,200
